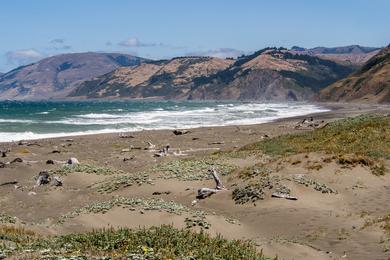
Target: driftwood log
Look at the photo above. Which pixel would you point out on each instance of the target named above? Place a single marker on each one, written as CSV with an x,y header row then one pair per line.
x,y
73,161
43,178
57,181
207,192
163,152
180,132
3,153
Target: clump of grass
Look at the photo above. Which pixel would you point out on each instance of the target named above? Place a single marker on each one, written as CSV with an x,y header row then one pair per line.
x,y
16,234
253,192
198,219
6,219
145,204
115,183
164,242
254,171
321,187
232,154
191,169
378,169
385,224
316,165
365,136
86,168
24,151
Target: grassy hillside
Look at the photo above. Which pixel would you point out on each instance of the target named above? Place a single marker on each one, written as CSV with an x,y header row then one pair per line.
x,y
369,84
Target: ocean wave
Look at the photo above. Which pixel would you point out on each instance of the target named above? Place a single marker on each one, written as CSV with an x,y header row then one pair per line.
x,y
155,119
22,121
10,137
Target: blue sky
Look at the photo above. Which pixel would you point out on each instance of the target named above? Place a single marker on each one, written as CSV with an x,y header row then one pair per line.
x,y
31,30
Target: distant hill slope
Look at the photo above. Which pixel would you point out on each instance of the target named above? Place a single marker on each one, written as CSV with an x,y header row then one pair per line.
x,y
269,74
56,76
169,79
352,54
371,83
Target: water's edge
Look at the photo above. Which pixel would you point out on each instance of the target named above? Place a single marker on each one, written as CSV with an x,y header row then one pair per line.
x,y
40,120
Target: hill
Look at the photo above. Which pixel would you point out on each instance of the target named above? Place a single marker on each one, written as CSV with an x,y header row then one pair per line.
x,y
169,79
371,83
56,76
352,54
268,74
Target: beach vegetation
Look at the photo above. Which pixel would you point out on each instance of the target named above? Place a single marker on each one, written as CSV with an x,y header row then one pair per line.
x,y
366,138
163,242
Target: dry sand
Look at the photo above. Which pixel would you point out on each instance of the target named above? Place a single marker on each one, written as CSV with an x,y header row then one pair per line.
x,y
316,226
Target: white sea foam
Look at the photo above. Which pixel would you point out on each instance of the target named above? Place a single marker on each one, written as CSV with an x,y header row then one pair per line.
x,y
10,137
16,121
175,117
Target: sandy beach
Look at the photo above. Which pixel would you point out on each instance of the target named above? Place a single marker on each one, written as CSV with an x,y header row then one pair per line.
x,y
118,167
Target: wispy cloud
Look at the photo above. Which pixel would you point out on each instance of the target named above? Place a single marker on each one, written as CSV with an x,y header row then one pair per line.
x,y
58,44
136,43
57,41
23,57
218,53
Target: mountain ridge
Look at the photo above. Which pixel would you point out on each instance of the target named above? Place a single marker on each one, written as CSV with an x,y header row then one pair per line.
x,y
371,83
267,74
56,76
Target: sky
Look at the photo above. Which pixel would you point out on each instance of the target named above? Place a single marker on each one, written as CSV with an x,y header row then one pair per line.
x,y
32,30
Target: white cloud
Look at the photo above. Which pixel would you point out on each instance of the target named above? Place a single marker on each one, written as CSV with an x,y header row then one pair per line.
x,y
57,41
218,53
58,44
134,42
23,57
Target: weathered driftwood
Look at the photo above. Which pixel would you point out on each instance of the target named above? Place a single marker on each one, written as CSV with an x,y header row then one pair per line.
x,y
125,136
4,152
9,183
43,178
150,146
163,152
128,158
283,196
57,181
180,132
73,161
218,182
28,143
161,192
207,192
217,142
16,160
310,123
50,161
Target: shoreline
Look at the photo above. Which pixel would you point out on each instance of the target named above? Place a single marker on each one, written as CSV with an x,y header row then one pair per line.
x,y
333,109
136,170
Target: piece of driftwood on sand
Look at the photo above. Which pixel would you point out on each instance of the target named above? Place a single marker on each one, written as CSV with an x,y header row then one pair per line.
x,y
207,192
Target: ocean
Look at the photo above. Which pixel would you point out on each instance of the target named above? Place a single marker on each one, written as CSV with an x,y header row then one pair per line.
x,y
22,120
